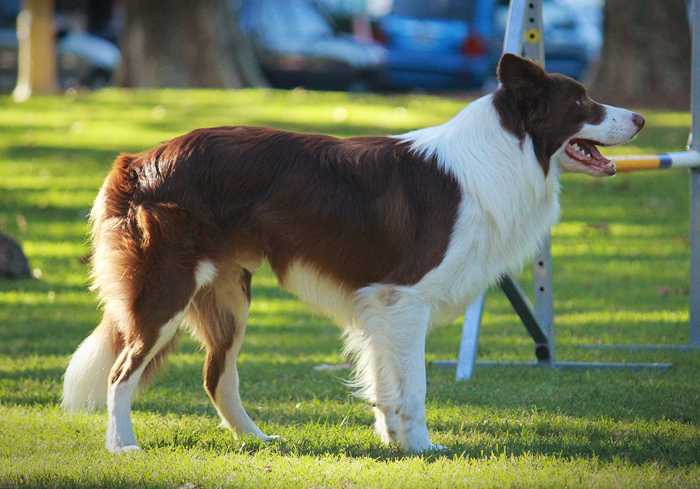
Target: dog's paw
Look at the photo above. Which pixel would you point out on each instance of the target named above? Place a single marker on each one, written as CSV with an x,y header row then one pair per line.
x,y
271,438
426,448
436,448
124,449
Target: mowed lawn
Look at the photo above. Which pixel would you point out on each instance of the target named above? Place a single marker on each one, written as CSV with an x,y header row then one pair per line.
x,y
621,276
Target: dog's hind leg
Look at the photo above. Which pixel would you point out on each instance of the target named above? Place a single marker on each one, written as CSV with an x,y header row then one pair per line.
x,y
146,271
139,351
218,315
393,324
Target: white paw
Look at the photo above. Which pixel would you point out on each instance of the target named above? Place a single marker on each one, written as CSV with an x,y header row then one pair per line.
x,y
427,448
270,438
124,449
436,447
422,445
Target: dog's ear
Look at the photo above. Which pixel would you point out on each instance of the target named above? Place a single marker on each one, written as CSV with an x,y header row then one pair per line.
x,y
515,72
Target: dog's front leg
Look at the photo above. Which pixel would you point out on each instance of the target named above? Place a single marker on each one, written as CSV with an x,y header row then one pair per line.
x,y
389,346
413,431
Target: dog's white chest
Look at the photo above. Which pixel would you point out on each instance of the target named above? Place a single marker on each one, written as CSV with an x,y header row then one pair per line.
x,y
507,206
482,248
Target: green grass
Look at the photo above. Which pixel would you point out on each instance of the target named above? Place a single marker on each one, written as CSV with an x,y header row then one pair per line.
x,y
621,256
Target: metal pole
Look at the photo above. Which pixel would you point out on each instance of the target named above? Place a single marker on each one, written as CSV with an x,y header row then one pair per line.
x,y
533,48
521,306
469,344
694,338
533,35
513,41
544,298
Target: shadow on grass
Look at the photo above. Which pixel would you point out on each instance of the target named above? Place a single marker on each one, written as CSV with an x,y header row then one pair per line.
x,y
482,442
566,422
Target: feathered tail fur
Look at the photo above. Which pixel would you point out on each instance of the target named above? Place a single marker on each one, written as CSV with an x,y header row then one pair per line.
x,y
86,378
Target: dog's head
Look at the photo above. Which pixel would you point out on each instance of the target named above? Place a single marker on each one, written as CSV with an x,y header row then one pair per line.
x,y
565,124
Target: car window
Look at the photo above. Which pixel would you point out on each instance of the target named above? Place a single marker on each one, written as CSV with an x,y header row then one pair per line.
x,y
435,9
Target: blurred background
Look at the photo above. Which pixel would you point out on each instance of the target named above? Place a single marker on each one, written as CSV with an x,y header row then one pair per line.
x,y
622,48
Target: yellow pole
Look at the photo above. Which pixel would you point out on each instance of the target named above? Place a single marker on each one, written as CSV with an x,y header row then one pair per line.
x,y
36,66
634,163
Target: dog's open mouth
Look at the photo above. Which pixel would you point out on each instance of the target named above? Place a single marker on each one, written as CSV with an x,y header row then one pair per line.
x,y
585,152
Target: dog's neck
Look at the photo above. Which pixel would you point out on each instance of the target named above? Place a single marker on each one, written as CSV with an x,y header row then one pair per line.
x,y
489,162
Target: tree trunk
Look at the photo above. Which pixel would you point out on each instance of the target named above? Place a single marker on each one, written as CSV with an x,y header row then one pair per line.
x,y
36,67
181,43
646,54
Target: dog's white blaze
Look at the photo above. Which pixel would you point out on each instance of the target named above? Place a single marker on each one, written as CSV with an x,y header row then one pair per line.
x,y
319,291
204,273
617,127
506,210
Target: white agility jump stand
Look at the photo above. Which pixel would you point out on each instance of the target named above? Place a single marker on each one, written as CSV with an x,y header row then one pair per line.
x,y
524,36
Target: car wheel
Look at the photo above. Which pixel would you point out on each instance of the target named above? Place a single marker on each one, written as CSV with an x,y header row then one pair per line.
x,y
358,85
97,79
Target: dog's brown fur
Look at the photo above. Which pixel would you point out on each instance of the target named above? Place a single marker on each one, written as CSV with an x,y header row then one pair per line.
x,y
360,210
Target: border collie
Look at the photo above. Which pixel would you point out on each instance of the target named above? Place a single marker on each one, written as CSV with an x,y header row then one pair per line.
x,y
385,235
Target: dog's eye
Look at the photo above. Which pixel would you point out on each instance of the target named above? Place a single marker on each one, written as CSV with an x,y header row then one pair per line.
x,y
579,102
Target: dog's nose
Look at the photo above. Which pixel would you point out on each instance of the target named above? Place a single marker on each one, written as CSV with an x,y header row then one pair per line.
x,y
638,121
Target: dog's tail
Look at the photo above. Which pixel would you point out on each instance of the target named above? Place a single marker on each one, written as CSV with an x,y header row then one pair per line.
x,y
87,376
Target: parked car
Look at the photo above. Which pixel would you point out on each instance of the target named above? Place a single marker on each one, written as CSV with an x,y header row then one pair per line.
x,y
570,43
297,46
437,44
82,59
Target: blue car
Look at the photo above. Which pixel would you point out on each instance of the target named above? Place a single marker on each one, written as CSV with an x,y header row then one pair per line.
x,y
437,44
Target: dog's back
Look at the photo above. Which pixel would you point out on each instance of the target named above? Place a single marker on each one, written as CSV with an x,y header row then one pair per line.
x,y
355,208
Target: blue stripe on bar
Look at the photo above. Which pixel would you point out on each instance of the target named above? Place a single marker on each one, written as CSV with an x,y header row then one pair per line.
x,y
665,160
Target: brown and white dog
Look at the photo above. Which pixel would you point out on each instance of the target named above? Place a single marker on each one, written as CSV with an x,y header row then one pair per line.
x,y
386,235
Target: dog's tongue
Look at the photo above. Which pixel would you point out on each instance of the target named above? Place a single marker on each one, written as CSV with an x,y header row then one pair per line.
x,y
587,153
591,151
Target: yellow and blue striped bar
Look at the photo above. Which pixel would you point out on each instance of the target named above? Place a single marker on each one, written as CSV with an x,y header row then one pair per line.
x,y
661,161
